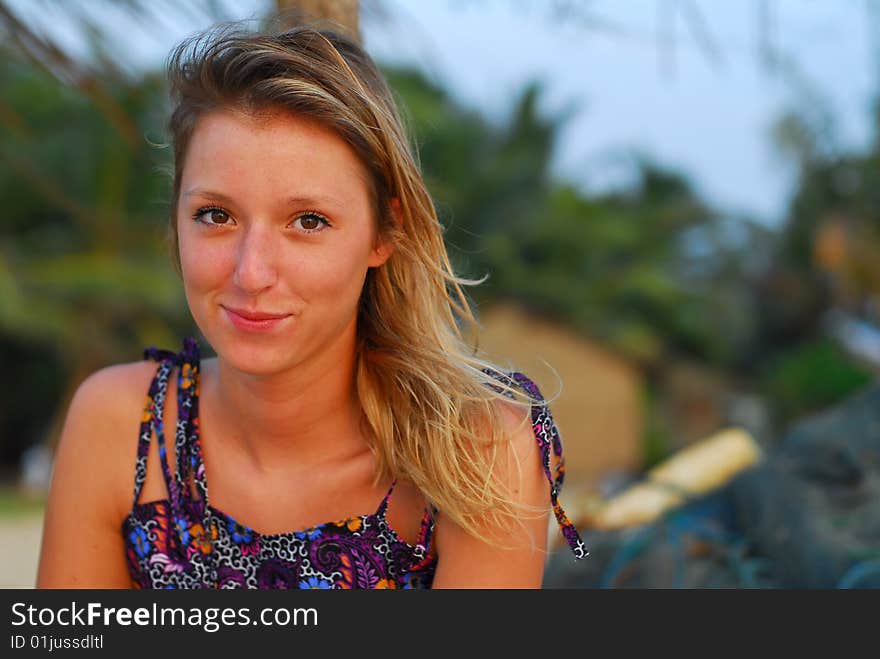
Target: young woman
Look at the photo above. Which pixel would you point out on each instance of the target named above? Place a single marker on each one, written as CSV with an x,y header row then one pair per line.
x,y
350,437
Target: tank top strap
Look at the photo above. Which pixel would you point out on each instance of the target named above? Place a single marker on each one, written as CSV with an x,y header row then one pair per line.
x,y
383,506
426,530
190,472
550,444
152,420
161,355
426,526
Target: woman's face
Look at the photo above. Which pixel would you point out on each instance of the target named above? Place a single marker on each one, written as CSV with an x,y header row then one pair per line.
x,y
276,234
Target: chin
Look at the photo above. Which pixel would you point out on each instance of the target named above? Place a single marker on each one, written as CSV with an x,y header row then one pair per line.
x,y
257,356
254,361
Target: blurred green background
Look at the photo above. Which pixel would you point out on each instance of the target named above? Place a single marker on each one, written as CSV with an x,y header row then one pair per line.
x,y
786,317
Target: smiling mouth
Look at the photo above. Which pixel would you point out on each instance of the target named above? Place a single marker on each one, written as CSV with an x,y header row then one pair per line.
x,y
256,315
254,321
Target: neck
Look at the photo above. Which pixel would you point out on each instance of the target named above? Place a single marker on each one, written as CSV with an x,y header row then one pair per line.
x,y
305,416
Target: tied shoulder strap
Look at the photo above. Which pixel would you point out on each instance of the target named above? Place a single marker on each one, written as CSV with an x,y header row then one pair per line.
x,y
187,487
152,421
188,361
549,441
191,471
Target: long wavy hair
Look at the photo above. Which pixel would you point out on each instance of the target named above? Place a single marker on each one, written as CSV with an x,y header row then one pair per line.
x,y
430,416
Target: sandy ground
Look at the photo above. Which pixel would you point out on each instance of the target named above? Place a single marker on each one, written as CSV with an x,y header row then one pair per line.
x,y
19,550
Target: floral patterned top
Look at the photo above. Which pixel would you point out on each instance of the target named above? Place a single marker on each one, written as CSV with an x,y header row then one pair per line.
x,y
185,542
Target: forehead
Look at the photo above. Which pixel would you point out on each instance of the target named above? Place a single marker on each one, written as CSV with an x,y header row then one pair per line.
x,y
273,151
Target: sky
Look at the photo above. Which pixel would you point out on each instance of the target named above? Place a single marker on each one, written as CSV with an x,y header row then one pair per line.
x,y
709,115
629,77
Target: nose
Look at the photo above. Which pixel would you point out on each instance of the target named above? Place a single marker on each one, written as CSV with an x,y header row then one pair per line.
x,y
255,269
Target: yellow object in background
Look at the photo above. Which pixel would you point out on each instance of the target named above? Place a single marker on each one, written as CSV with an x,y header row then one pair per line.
x,y
695,470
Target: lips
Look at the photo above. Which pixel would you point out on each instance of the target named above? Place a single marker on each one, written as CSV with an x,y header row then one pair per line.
x,y
256,315
249,321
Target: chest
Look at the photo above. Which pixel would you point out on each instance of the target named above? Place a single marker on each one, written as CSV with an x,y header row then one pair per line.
x,y
284,500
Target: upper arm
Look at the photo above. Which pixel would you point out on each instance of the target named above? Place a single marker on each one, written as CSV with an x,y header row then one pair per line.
x,y
513,557
92,482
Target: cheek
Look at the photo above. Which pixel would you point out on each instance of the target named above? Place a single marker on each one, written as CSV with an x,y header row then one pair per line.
x,y
336,274
202,263
329,278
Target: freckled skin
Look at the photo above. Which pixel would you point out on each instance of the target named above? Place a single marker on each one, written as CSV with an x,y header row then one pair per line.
x,y
262,252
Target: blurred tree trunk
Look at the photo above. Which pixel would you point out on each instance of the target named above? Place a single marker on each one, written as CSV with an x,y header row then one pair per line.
x,y
342,12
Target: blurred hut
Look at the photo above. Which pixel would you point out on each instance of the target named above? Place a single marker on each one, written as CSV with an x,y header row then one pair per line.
x,y
596,394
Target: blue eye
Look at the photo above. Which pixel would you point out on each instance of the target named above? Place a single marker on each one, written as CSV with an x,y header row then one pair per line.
x,y
212,215
311,222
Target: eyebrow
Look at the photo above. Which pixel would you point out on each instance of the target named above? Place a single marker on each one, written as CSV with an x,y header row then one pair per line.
x,y
295,200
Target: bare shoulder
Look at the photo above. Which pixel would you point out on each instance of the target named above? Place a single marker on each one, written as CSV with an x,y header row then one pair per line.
x,y
92,480
129,381
512,557
101,428
111,400
520,465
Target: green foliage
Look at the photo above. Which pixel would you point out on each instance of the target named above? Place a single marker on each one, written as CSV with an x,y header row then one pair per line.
x,y
82,258
85,278
810,377
839,188
486,179
15,503
657,439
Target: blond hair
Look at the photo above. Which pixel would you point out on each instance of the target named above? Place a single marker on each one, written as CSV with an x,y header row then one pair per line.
x,y
431,417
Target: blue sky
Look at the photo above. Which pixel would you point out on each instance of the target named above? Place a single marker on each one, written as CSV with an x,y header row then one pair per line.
x,y
707,115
